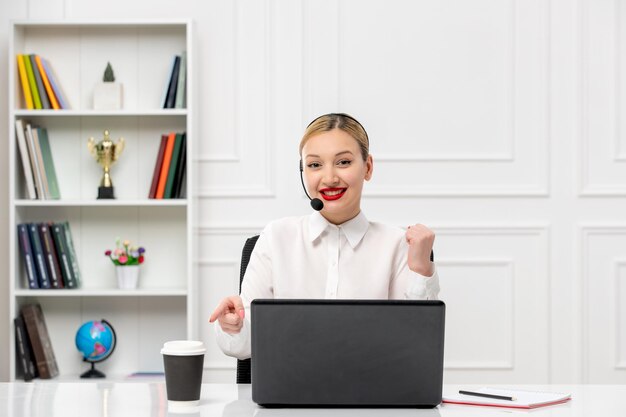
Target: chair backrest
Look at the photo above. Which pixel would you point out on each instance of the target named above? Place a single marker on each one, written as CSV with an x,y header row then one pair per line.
x,y
244,366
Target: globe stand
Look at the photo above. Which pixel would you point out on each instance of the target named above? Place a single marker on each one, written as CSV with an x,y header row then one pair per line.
x,y
93,372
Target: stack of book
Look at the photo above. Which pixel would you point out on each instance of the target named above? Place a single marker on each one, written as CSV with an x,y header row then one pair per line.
x,y
37,162
174,95
168,179
35,356
40,87
49,257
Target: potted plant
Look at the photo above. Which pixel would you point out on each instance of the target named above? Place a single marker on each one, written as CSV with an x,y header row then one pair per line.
x,y
126,259
108,94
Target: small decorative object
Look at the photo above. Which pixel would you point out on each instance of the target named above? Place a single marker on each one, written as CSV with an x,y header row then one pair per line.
x,y
126,259
108,94
96,341
106,153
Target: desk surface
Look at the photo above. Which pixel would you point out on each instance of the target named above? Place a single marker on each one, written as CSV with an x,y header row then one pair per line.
x,y
148,399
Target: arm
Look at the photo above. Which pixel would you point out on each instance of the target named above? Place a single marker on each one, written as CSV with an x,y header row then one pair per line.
x,y
233,325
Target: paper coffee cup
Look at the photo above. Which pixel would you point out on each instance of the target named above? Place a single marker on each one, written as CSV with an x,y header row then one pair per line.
x,y
183,361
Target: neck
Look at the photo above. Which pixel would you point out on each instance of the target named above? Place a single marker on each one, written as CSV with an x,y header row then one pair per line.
x,y
337,218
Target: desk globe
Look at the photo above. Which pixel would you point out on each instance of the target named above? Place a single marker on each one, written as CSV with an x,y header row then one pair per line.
x,y
96,341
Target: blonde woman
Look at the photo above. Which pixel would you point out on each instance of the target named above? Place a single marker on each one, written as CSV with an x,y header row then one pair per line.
x,y
335,252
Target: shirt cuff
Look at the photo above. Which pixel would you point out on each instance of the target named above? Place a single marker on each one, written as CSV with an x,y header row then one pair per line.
x,y
235,345
424,288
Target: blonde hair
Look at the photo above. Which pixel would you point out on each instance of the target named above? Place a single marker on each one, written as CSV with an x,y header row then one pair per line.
x,y
340,121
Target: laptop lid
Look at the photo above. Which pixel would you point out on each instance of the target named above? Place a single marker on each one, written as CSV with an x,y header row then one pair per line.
x,y
359,353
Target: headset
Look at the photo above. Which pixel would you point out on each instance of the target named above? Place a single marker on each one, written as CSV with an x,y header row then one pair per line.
x,y
316,203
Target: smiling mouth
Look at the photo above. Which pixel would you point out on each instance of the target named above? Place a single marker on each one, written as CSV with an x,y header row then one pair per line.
x,y
330,194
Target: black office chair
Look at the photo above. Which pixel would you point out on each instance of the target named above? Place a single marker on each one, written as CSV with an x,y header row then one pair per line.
x,y
244,366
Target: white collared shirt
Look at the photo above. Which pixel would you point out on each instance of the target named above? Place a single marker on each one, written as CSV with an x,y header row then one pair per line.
x,y
308,257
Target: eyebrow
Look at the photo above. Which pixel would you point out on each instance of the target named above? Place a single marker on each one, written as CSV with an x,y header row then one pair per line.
x,y
337,154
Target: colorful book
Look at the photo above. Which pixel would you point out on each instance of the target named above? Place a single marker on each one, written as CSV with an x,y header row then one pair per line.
x,y
24,351
157,167
25,157
72,252
21,69
40,341
38,254
27,256
181,89
180,168
49,251
46,83
48,163
167,159
169,184
32,83
40,165
56,87
32,152
60,243
45,103
170,101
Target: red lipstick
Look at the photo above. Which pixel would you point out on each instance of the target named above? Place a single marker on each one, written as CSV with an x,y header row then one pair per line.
x,y
330,194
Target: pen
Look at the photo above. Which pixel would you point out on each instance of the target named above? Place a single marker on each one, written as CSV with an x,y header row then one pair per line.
x,y
480,394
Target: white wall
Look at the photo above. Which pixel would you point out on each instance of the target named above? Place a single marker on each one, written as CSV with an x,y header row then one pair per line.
x,y
497,123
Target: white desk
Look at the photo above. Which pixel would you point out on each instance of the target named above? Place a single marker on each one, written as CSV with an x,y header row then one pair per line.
x,y
148,399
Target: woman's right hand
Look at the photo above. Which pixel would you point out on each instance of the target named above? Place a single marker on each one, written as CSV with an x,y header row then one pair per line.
x,y
229,313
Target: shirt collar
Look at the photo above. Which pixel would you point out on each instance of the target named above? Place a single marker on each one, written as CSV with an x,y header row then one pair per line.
x,y
354,229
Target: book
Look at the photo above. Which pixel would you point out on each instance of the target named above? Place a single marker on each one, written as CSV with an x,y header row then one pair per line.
x,y
25,158
170,100
27,255
46,83
167,159
32,152
40,260
21,69
40,164
45,103
31,82
23,351
180,168
522,398
181,88
169,184
40,340
157,167
49,251
72,252
56,87
60,243
48,163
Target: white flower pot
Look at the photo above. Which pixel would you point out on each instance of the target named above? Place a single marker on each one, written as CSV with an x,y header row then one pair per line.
x,y
107,96
127,277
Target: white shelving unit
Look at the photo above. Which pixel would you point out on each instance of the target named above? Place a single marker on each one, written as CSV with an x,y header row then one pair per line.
x,y
162,308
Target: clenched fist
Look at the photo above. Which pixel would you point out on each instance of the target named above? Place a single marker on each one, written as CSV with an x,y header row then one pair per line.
x,y
420,239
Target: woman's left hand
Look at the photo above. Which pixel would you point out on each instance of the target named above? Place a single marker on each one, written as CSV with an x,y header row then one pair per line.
x,y
420,239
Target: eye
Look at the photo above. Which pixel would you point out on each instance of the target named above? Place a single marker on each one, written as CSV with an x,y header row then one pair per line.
x,y
344,162
313,165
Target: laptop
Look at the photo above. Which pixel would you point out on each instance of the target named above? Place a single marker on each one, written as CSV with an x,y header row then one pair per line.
x,y
347,353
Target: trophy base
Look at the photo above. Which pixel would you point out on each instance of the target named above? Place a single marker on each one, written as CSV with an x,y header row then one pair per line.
x,y
105,193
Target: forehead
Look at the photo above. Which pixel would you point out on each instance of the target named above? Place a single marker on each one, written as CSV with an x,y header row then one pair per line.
x,y
330,142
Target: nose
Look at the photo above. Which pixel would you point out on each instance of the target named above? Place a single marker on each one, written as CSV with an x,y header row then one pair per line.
x,y
330,175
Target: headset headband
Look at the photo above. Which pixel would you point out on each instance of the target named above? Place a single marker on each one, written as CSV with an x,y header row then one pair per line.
x,y
346,116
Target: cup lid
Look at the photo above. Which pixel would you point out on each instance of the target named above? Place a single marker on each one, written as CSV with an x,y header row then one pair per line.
x,y
183,348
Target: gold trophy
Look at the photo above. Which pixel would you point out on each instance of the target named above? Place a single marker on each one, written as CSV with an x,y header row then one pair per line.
x,y
106,153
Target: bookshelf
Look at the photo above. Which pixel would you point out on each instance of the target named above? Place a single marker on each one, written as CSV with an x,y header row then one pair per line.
x,y
163,306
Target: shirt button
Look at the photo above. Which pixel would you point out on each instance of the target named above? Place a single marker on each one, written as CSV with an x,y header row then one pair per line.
x,y
334,263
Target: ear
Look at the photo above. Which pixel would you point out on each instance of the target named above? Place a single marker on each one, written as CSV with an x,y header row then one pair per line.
x,y
369,167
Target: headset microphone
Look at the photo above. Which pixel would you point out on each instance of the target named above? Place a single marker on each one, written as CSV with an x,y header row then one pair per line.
x,y
316,203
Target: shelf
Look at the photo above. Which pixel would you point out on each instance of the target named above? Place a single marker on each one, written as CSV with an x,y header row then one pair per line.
x,y
178,202
106,292
99,113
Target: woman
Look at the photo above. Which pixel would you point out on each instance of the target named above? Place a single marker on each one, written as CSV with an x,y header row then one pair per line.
x,y
335,252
